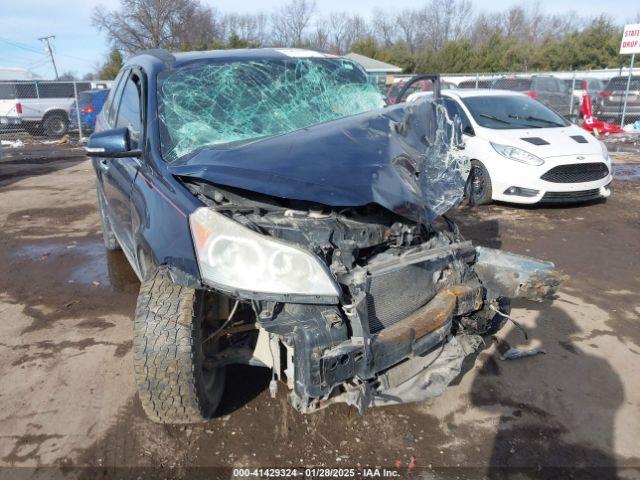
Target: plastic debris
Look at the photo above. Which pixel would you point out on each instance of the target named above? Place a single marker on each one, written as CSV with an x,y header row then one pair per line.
x,y
507,352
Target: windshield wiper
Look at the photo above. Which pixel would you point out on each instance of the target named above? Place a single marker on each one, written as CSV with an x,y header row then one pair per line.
x,y
497,119
537,119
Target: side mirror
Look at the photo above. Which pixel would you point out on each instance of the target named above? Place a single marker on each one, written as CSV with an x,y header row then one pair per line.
x,y
468,130
113,143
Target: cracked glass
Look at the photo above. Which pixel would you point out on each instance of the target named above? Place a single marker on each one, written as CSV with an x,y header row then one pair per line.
x,y
223,104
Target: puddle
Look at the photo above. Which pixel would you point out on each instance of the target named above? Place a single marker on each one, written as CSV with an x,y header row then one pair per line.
x,y
626,171
85,263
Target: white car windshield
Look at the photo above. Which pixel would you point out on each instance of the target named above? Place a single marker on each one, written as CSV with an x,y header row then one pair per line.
x,y
505,112
215,104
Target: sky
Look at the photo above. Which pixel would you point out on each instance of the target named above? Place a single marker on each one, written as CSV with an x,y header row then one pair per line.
x,y
79,47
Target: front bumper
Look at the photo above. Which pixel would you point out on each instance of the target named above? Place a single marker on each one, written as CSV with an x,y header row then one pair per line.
x,y
529,178
337,358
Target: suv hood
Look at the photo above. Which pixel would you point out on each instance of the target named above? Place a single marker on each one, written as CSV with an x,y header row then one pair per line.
x,y
404,158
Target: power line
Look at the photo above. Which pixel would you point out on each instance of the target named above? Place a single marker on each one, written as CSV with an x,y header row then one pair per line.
x,y
20,45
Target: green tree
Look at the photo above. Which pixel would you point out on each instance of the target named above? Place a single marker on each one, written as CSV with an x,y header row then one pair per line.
x,y
112,66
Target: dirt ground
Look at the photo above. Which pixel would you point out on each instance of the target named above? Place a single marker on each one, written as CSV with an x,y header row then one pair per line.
x,y
67,395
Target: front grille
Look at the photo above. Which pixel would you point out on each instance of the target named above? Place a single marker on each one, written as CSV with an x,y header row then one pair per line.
x,y
561,197
576,173
393,295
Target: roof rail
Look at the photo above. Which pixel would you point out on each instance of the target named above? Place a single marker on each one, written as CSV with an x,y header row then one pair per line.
x,y
159,53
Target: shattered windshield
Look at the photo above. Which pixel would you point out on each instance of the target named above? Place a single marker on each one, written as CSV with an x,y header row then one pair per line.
x,y
222,103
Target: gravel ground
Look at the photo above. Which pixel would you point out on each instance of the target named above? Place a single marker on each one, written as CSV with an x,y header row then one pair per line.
x,y
67,395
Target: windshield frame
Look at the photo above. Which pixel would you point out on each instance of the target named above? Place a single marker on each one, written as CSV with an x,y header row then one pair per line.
x,y
167,145
481,118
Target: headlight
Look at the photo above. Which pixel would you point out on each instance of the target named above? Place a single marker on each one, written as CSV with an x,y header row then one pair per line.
x,y
517,154
233,256
605,152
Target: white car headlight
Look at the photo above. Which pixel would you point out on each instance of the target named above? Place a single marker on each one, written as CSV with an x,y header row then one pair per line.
x,y
233,256
605,151
517,154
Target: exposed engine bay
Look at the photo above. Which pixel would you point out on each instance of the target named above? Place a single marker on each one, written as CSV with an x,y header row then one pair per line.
x,y
415,300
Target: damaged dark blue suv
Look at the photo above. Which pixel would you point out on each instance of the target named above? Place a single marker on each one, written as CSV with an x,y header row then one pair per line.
x,y
278,215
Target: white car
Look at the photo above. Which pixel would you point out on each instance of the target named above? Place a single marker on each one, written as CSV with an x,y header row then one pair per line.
x,y
523,152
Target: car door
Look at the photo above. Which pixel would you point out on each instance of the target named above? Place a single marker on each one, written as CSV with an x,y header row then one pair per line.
x,y
118,174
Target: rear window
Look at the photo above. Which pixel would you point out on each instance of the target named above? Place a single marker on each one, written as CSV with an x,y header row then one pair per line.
x,y
60,89
7,91
620,83
517,84
85,97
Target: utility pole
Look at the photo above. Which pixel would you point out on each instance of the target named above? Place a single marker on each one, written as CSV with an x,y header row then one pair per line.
x,y
50,50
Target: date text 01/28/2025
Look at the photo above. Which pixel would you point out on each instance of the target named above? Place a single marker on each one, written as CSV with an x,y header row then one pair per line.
x,y
316,472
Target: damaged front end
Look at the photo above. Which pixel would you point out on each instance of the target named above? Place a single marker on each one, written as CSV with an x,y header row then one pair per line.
x,y
332,238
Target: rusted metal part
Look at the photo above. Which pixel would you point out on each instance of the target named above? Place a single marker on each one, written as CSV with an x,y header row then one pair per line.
x,y
454,300
542,284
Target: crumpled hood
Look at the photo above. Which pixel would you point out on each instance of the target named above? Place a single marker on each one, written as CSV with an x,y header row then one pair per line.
x,y
399,157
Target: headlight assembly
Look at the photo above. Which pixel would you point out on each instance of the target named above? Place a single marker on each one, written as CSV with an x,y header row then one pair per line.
x,y
233,257
517,154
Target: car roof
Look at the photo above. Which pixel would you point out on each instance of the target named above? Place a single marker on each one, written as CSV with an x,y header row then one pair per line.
x,y
181,58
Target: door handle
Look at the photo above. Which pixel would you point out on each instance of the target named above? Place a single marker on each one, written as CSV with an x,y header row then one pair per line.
x,y
104,164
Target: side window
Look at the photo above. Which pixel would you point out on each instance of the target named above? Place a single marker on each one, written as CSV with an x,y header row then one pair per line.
x,y
115,100
129,110
453,109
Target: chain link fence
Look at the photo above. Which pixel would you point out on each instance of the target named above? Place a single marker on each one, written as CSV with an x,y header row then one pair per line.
x,y
562,91
43,113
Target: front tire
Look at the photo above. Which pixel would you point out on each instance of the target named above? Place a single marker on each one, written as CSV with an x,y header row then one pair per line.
x,y
175,381
479,191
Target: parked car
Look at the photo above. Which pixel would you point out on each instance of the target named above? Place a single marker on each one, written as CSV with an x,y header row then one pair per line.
x,y
40,107
277,227
523,152
421,86
91,102
475,84
545,88
585,86
610,102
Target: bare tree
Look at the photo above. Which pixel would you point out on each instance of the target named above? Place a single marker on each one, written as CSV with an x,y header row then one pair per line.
x,y
442,21
384,27
408,27
142,24
250,27
290,22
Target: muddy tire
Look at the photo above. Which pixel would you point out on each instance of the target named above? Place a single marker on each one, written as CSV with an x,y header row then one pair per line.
x,y
479,190
55,125
175,383
110,241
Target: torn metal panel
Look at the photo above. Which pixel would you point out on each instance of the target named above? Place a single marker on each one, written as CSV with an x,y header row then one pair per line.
x,y
507,274
403,158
